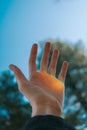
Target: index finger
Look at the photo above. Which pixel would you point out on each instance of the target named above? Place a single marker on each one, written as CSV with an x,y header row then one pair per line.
x,y
32,59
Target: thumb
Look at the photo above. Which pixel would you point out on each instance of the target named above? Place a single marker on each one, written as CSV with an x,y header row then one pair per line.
x,y
21,79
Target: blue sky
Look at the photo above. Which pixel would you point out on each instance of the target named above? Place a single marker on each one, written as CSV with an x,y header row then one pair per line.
x,y
24,22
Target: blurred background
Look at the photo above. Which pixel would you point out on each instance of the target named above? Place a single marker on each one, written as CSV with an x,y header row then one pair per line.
x,y
64,24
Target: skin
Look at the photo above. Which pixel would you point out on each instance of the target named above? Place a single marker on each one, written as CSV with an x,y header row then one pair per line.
x,y
44,91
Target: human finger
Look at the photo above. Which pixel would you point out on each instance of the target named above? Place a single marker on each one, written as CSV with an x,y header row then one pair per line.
x,y
21,79
32,59
53,64
44,60
62,74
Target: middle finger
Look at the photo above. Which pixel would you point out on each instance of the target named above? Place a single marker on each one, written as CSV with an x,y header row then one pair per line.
x,y
44,60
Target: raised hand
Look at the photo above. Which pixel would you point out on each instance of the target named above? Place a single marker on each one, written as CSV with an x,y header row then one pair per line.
x,y
43,88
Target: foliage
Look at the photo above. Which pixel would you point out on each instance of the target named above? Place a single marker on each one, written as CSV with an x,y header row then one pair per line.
x,y
75,105
12,104
13,110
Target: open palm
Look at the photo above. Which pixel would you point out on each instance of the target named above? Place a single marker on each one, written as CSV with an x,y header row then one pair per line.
x,y
42,86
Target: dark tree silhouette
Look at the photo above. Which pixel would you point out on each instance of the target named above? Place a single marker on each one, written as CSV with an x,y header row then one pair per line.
x,y
75,107
14,111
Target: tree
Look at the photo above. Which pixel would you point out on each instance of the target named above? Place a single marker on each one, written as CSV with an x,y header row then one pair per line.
x,y
14,111
13,107
75,107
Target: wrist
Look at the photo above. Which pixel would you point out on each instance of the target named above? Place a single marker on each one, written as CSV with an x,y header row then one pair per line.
x,y
46,109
